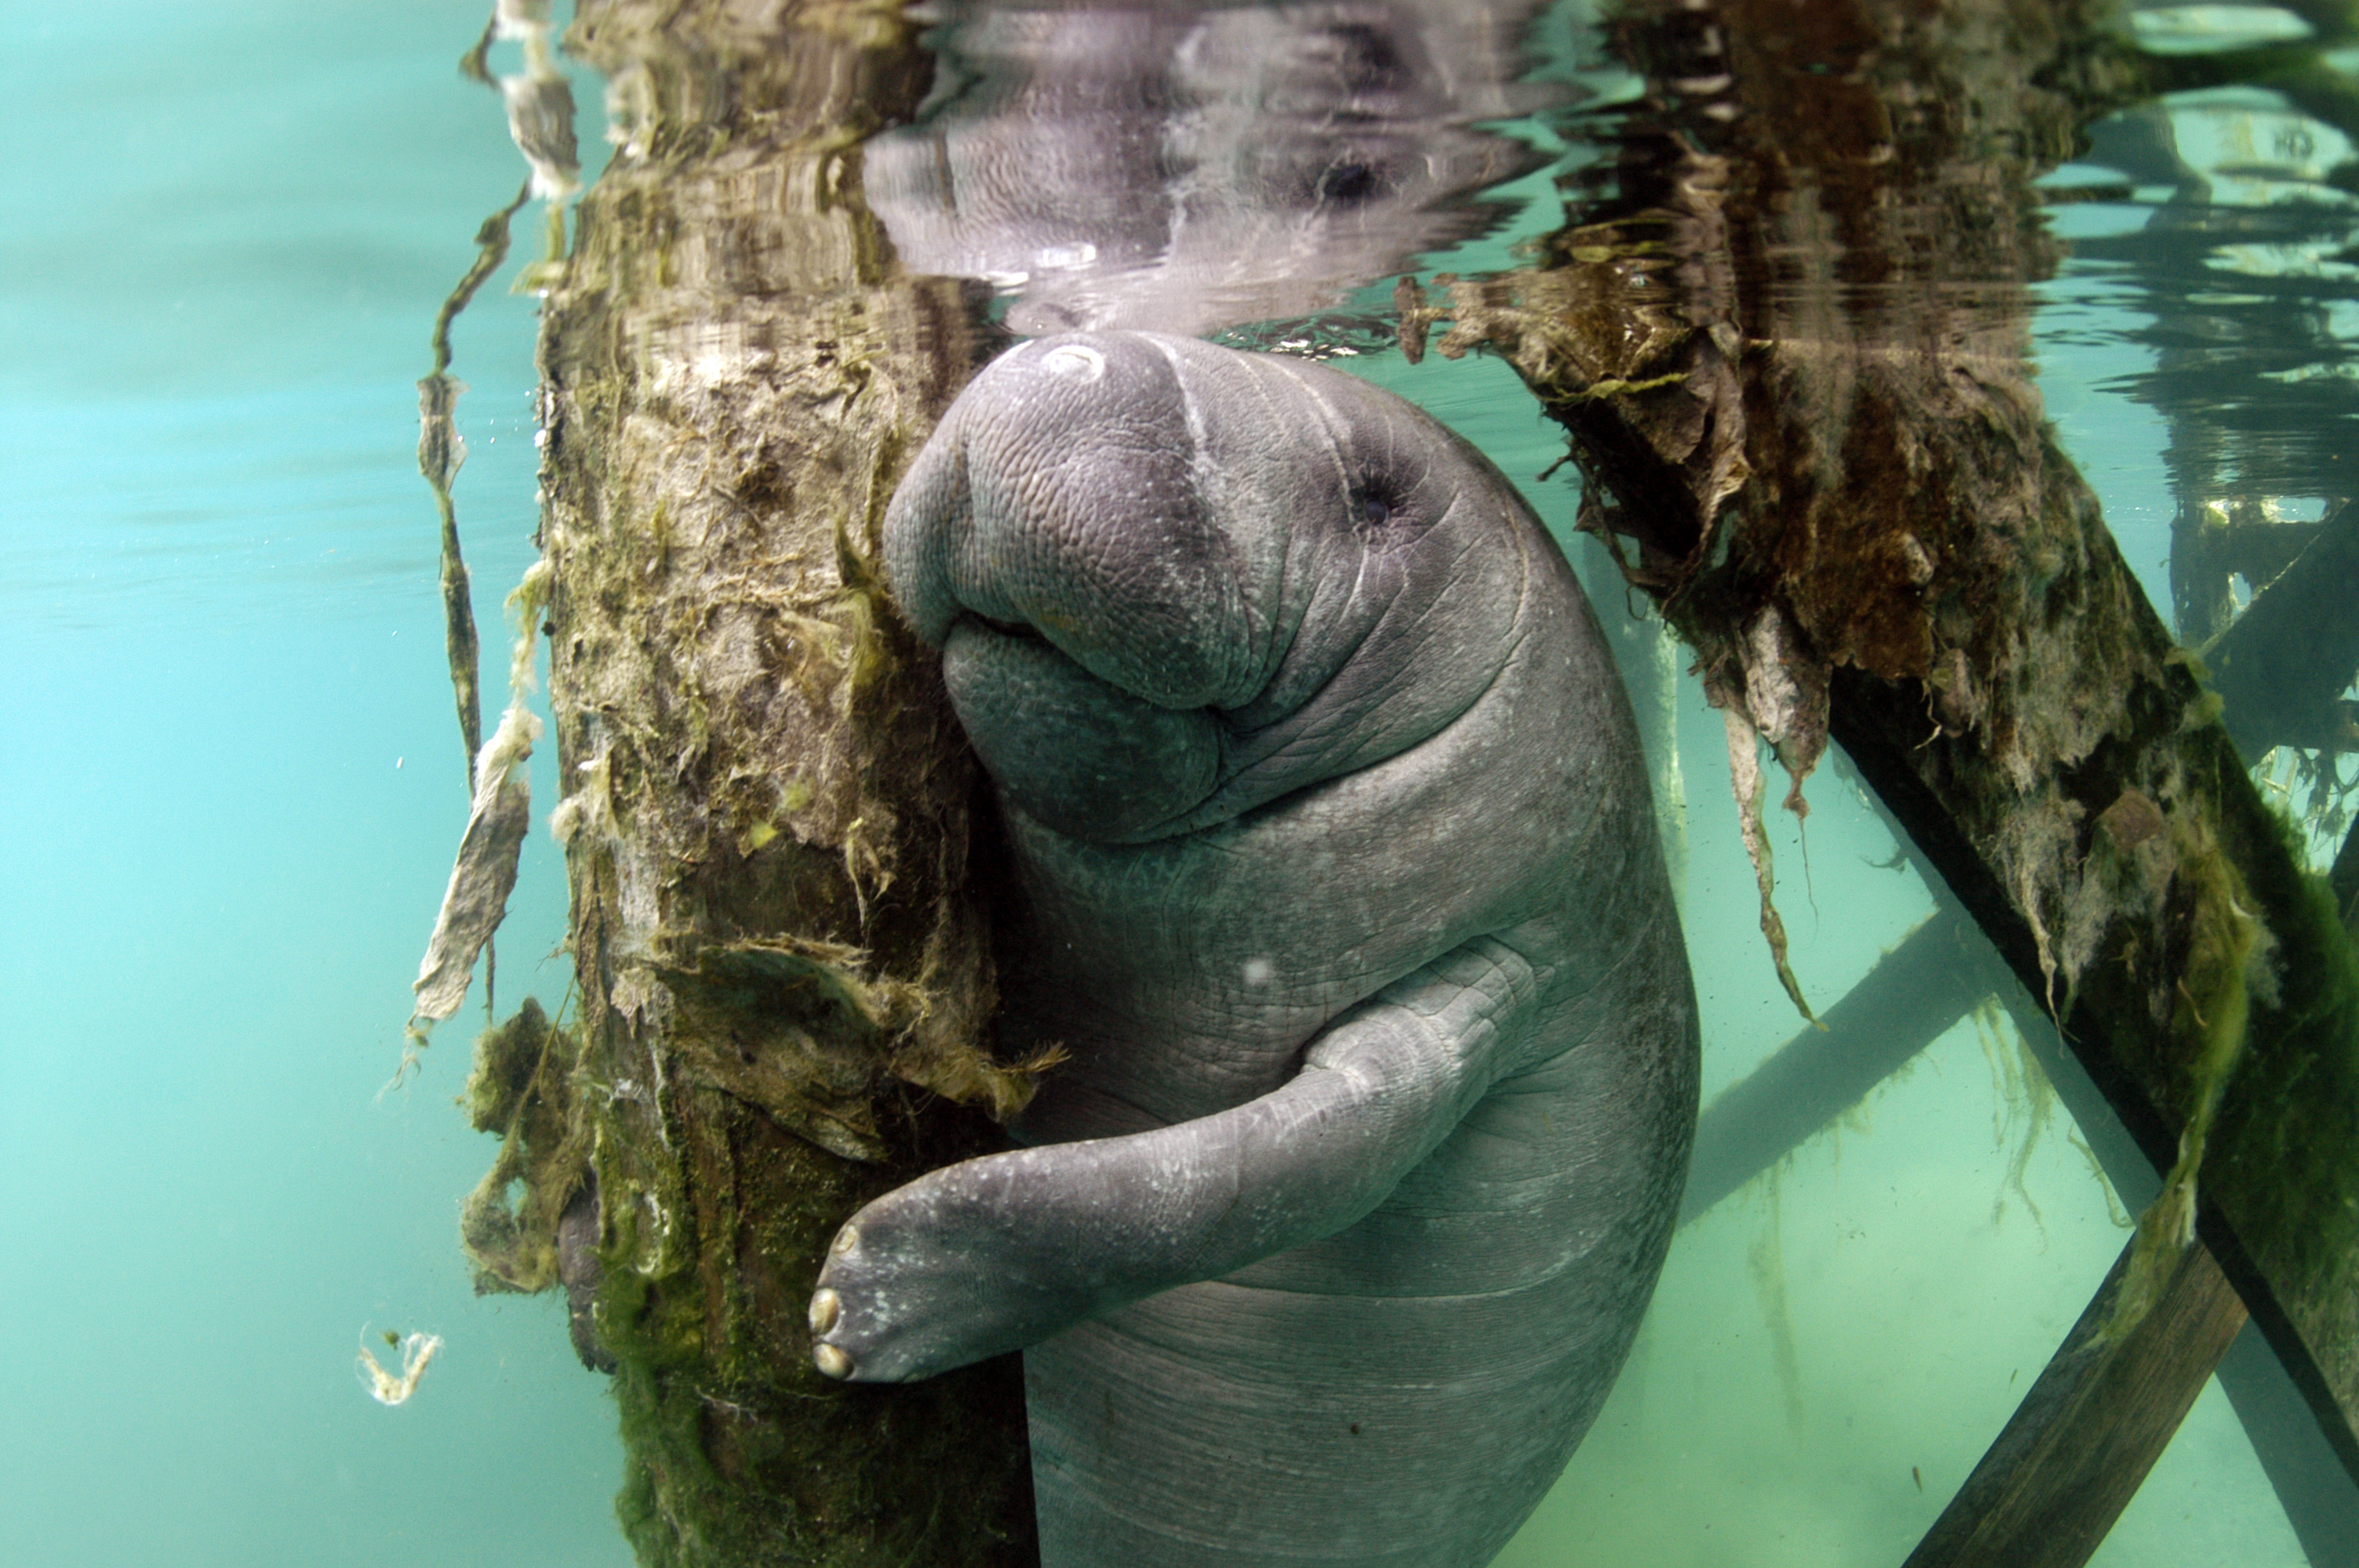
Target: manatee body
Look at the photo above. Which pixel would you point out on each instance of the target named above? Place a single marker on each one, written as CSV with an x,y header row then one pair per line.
x,y
1340,883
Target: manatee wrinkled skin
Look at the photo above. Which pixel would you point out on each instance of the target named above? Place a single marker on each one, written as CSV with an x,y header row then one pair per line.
x,y
1338,882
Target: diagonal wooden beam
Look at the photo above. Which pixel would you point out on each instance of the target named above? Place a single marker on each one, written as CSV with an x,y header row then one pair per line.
x,y
2283,1234
1913,995
2084,1437
1843,492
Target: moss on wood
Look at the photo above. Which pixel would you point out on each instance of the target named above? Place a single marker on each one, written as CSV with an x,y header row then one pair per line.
x,y
524,1090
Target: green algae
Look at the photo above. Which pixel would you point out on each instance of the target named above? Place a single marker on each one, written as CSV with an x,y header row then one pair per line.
x,y
524,1089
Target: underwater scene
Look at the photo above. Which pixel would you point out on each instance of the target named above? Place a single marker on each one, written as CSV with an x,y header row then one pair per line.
x,y
299,1273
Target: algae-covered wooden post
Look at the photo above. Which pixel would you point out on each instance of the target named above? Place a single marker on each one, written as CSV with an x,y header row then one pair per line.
x,y
1790,341
783,983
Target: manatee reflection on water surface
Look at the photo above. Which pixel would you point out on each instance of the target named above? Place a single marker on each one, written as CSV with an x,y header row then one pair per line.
x,y
1185,170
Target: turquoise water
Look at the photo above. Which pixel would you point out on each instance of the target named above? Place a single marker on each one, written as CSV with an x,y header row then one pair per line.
x,y
231,785
230,788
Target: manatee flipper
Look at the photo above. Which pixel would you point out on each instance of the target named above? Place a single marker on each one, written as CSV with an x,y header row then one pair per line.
x,y
994,1254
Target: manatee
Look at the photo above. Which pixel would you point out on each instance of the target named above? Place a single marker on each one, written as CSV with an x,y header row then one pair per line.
x,y
1335,874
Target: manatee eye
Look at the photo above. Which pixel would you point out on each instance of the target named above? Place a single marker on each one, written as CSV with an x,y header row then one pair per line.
x,y
1376,513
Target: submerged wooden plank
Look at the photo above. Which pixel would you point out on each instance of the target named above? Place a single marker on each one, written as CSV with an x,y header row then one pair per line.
x,y
2090,1429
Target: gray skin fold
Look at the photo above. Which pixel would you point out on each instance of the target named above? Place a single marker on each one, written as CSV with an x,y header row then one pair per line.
x,y
1337,877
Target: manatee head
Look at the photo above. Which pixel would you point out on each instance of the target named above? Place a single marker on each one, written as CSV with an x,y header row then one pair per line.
x,y
1172,582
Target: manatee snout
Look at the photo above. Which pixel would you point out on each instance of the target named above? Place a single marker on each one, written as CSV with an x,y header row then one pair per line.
x,y
1172,582
1075,752
1067,545
1065,493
